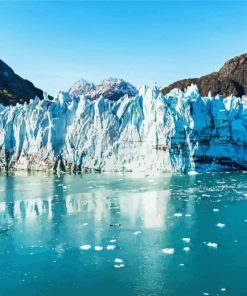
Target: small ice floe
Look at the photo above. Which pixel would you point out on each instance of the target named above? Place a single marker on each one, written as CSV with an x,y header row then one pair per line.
x,y
186,249
178,215
137,232
216,210
118,260
112,241
85,247
187,215
118,265
212,245
205,293
186,239
192,173
221,225
223,289
98,248
110,247
181,264
85,224
245,220
169,251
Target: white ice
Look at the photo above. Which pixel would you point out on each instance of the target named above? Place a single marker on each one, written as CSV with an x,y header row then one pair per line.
x,y
85,247
212,245
169,251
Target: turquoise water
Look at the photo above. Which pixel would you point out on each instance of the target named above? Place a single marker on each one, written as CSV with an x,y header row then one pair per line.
x,y
46,223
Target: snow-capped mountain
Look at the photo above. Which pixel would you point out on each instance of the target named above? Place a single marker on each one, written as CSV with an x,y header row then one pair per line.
x,y
82,87
148,132
111,88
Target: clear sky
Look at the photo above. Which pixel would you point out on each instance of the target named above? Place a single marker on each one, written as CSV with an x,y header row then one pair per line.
x,y
54,44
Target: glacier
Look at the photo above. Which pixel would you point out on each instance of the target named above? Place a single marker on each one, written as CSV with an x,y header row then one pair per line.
x,y
149,132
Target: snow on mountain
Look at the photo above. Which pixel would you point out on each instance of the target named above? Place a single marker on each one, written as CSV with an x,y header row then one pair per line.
x,y
111,88
148,132
82,87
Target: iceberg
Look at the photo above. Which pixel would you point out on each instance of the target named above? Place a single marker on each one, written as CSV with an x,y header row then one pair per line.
x,y
147,132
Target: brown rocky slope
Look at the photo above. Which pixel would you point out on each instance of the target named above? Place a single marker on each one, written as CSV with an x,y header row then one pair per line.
x,y
231,79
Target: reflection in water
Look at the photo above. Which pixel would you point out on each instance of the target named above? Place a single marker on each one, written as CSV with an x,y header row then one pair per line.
x,y
52,216
145,207
58,204
9,196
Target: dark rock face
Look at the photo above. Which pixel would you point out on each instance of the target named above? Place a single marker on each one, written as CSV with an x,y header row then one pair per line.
x,y
14,89
236,69
230,80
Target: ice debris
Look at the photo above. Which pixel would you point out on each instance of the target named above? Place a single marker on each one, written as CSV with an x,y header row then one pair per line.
x,y
169,251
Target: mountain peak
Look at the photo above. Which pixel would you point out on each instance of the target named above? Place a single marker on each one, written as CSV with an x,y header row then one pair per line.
x,y
14,89
231,79
83,81
110,88
81,87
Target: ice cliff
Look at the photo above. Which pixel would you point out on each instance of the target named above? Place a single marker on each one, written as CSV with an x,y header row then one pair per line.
x,y
149,132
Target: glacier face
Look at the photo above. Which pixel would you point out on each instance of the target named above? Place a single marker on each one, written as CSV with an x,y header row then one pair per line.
x,y
149,132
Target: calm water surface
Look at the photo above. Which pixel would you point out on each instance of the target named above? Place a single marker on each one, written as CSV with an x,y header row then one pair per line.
x,y
151,235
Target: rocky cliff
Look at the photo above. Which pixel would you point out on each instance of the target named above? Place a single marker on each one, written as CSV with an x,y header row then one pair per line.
x,y
231,79
14,89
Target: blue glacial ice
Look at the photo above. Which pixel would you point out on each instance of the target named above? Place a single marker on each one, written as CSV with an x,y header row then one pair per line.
x,y
148,132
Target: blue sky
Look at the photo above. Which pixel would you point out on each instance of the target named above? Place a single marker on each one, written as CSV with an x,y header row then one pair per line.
x,y
56,43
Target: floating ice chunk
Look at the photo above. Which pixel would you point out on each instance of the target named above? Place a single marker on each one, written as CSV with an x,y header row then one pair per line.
x,y
192,173
181,264
98,248
220,225
178,215
187,215
212,245
216,210
137,232
110,247
118,260
205,293
112,241
186,239
85,224
186,249
168,251
119,265
85,247
223,289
